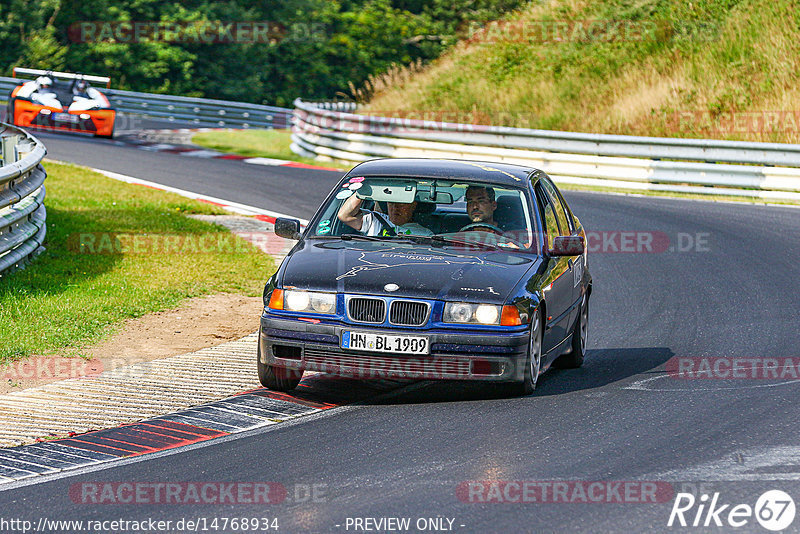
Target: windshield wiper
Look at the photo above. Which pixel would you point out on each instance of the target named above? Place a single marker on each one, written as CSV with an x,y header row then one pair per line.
x,y
451,241
435,240
347,237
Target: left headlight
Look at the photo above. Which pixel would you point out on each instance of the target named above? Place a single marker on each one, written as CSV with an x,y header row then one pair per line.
x,y
488,314
303,301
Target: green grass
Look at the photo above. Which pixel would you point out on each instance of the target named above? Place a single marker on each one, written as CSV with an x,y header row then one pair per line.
x,y
65,300
256,143
703,66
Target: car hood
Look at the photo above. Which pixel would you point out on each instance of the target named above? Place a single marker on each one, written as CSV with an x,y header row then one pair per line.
x,y
418,271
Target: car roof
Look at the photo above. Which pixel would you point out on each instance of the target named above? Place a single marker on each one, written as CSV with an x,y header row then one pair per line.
x,y
462,170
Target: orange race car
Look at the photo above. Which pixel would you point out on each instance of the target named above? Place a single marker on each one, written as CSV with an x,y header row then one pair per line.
x,y
61,101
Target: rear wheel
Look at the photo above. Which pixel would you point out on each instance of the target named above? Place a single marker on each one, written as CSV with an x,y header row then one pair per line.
x,y
574,358
277,378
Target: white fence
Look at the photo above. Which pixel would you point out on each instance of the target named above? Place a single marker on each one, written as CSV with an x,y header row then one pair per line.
x,y
22,211
620,162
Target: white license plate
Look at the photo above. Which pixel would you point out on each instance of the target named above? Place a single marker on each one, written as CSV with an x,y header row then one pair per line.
x,y
65,117
385,343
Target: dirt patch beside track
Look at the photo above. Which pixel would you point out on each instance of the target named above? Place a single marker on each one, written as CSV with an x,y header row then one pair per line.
x,y
202,322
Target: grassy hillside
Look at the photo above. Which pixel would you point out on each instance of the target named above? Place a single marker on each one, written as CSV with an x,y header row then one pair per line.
x,y
727,69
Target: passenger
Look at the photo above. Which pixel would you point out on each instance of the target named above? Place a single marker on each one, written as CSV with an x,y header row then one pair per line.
x,y
374,223
80,88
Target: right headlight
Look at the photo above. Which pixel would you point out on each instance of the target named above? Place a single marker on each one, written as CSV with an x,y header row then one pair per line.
x,y
304,301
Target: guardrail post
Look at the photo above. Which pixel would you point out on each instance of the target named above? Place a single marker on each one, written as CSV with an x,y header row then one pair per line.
x,y
10,154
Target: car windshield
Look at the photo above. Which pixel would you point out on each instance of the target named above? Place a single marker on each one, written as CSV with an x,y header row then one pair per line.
x,y
441,212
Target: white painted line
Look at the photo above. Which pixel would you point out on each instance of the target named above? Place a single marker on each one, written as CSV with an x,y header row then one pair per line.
x,y
229,205
267,161
7,458
159,146
202,153
643,385
767,464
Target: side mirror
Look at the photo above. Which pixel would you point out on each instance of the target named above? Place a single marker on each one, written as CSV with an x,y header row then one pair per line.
x,y
563,245
288,228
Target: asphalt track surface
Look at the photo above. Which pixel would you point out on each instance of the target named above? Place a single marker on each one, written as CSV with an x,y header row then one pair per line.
x,y
620,417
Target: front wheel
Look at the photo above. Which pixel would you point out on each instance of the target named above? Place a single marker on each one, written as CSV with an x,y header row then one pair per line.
x,y
277,378
10,114
533,361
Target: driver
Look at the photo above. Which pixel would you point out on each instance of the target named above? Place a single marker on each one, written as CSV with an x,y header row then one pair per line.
x,y
44,82
374,223
80,89
480,207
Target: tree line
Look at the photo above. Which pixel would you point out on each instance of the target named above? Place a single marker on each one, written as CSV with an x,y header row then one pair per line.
x,y
262,51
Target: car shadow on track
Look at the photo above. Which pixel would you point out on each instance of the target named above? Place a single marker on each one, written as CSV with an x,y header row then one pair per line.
x,y
602,368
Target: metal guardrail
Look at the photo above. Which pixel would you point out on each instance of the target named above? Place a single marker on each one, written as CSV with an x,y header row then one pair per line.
x,y
200,112
706,150
22,192
325,134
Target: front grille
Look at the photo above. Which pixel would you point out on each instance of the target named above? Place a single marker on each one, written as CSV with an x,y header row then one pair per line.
x,y
366,310
408,313
372,366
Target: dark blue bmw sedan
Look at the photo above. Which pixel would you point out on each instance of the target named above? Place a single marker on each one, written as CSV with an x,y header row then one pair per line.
x,y
430,269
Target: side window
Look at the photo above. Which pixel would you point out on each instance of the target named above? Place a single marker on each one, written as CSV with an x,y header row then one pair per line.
x,y
550,223
563,221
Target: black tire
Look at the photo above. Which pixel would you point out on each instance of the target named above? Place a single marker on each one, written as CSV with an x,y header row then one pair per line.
x,y
277,378
109,136
533,361
10,112
574,358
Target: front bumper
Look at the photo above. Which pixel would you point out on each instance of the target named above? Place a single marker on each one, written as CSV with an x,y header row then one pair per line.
x,y
456,355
